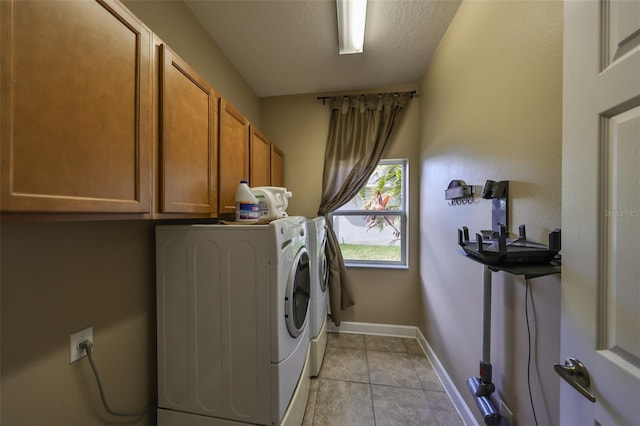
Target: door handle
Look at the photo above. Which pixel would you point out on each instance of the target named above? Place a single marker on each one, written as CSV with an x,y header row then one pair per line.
x,y
576,374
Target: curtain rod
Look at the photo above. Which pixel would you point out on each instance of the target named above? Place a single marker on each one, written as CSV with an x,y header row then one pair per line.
x,y
324,98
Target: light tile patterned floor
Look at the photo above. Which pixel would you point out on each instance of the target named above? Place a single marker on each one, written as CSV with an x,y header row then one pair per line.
x,y
377,381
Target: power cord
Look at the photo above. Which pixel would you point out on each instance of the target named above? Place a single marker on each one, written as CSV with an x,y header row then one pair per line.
x,y
87,345
526,313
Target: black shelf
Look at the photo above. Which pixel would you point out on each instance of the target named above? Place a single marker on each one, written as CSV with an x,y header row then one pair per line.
x,y
529,271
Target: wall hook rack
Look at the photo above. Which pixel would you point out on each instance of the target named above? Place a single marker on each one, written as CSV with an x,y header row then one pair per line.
x,y
459,193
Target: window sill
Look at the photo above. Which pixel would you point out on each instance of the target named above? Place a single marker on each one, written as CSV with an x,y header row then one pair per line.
x,y
351,264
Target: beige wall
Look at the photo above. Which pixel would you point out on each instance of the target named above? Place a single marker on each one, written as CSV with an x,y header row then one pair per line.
x,y
490,108
176,26
299,125
58,278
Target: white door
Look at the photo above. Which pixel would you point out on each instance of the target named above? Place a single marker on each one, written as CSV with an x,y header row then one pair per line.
x,y
601,210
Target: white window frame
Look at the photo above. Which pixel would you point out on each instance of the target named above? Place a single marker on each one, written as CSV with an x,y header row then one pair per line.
x,y
403,212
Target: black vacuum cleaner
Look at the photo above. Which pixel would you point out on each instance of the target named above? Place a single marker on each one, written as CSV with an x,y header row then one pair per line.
x,y
481,387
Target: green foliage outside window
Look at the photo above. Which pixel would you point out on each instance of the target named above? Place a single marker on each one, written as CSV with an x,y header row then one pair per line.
x,y
383,192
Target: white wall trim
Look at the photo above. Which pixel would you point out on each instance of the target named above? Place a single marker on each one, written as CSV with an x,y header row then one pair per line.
x,y
456,398
413,332
373,329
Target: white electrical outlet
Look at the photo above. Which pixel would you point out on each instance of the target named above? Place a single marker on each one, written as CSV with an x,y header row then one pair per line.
x,y
75,353
507,415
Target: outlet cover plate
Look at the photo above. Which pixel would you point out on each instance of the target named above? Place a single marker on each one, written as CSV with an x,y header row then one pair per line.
x,y
74,352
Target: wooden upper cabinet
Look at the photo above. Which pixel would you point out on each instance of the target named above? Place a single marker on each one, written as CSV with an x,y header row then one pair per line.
x,y
76,108
233,164
188,140
259,159
277,166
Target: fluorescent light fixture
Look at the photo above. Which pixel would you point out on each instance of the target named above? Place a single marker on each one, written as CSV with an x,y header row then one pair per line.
x,y
351,17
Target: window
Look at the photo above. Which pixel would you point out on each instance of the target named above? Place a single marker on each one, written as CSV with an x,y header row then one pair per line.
x,y
372,227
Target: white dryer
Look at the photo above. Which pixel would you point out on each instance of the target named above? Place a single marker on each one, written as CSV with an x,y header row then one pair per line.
x,y
232,306
316,244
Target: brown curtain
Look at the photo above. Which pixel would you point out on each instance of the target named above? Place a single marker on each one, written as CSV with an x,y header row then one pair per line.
x,y
359,131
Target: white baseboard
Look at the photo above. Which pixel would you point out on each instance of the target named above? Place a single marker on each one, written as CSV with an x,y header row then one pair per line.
x,y
373,329
413,332
454,395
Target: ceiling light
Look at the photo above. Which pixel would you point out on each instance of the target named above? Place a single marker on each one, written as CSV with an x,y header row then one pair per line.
x,y
351,17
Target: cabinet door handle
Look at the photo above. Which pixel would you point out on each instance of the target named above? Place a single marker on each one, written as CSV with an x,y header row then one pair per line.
x,y
576,374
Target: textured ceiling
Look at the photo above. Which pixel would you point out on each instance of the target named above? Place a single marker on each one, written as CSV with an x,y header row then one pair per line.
x,y
286,47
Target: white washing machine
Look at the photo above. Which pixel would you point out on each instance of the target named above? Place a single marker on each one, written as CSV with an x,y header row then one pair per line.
x,y
232,306
316,244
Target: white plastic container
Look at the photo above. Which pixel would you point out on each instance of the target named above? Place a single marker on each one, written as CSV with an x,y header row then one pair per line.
x,y
273,201
247,207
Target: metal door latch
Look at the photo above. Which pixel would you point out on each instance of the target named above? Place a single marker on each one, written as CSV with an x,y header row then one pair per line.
x,y
576,374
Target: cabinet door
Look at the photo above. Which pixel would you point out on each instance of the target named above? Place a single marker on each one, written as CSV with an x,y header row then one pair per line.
x,y
188,141
233,155
259,159
76,108
277,166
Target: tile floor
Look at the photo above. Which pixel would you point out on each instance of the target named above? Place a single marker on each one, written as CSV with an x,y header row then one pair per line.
x,y
375,381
